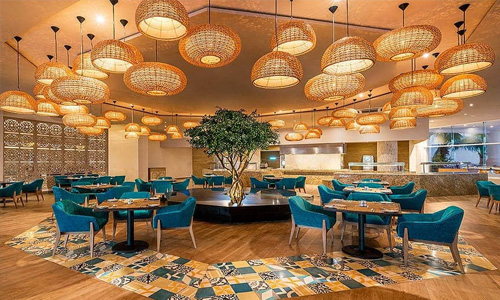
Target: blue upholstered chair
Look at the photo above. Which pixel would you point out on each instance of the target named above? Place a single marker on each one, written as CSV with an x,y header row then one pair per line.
x,y
339,186
130,184
181,186
326,194
216,181
199,181
78,182
307,215
34,187
411,202
494,191
286,184
175,217
165,177
257,184
371,180
372,221
62,194
117,180
267,176
103,180
12,193
403,189
228,180
483,191
113,193
139,215
72,218
162,187
300,184
371,185
438,228
143,186
61,181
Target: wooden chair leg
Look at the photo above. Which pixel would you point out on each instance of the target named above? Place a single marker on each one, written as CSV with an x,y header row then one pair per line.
x,y
478,199
104,234
56,244
66,240
192,234
114,229
37,197
405,247
41,194
456,254
291,232
342,231
323,230
491,206
297,233
26,197
389,236
158,235
91,240
21,198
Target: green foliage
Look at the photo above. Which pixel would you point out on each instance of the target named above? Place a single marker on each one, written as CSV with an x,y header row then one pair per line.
x,y
231,133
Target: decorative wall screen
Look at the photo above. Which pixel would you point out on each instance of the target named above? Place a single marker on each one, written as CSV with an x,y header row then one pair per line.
x,y
34,149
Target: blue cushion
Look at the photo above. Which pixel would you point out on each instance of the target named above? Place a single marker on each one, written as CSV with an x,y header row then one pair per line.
x,y
138,214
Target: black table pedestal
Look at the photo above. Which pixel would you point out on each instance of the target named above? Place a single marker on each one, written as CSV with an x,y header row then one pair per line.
x,y
360,250
130,245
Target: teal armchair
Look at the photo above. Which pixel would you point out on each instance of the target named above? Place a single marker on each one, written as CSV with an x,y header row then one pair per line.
x,y
307,215
412,202
228,180
72,218
143,186
165,177
130,184
257,184
301,183
494,191
216,181
371,185
339,186
439,228
181,186
34,187
80,182
326,194
199,181
404,189
175,217
139,215
371,180
162,187
117,180
113,193
12,193
61,181
62,194
286,184
103,180
483,191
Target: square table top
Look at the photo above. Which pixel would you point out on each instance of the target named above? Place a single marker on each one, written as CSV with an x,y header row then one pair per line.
x,y
372,208
379,182
368,190
95,186
137,204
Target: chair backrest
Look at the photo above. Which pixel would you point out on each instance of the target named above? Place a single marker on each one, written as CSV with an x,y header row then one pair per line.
x,y
165,177
135,195
118,180
371,179
81,182
453,217
298,204
162,186
129,184
421,193
494,191
482,187
301,182
338,186
255,183
326,194
286,183
103,180
268,175
198,180
139,181
228,179
19,187
181,186
9,191
370,197
60,194
371,185
118,191
216,180
187,208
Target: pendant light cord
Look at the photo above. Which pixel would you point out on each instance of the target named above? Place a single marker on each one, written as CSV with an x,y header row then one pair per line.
x,y
156,50
276,24
81,20
17,38
403,18
209,12
114,34
333,27
291,9
132,109
347,17
55,39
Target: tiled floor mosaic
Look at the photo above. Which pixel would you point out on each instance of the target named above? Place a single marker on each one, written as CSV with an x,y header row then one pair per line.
x,y
163,276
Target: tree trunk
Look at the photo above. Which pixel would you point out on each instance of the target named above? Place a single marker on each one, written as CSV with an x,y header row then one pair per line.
x,y
236,192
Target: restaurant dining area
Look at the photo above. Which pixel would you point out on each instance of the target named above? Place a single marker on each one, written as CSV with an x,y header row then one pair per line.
x,y
249,150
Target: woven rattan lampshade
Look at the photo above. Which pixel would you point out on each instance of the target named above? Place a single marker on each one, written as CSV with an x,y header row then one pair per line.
x,y
369,129
102,122
373,118
324,87
336,122
312,134
295,37
440,108
155,79
294,137
165,20
51,70
151,120
91,131
465,58
78,120
210,46
73,109
317,129
402,124
157,137
345,113
324,121
172,129
84,67
133,127
80,89
177,135
348,55
17,102
39,90
407,42
145,130
463,86
115,56
115,116
413,97
300,127
402,113
49,95
386,109
132,136
352,125
190,124
429,79
276,70
277,123
47,108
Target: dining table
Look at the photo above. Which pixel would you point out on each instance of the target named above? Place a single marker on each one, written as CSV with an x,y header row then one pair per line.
x,y
385,183
131,245
273,179
365,189
385,208
96,187
6,183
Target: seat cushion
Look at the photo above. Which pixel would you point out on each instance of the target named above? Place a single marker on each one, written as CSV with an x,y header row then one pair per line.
x,y
370,219
138,214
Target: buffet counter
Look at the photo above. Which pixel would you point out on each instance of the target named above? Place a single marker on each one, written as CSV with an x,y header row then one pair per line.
x,y
437,184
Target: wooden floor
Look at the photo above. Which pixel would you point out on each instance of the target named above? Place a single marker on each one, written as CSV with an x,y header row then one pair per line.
x,y
24,276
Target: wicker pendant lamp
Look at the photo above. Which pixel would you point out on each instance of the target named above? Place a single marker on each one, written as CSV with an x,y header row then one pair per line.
x,y
157,137
345,112
386,109
371,118
327,88
39,91
336,122
210,45
301,126
190,124
73,109
369,129
91,131
349,55
402,124
326,119
82,65
48,71
313,132
177,135
294,137
465,57
295,36
276,123
171,129
352,125
145,130
429,79
17,101
406,42
441,107
151,120
413,97
155,78
463,86
115,56
79,120
47,108
402,113
276,69
132,127
102,122
132,136
165,20
114,115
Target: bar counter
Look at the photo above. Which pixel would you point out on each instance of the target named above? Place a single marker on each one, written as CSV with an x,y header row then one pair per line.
x,y
437,184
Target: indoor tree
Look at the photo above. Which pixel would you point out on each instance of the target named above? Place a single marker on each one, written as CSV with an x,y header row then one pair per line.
x,y
233,137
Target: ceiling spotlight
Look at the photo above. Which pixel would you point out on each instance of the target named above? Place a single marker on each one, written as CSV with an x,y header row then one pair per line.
x,y
361,95
471,104
99,19
425,55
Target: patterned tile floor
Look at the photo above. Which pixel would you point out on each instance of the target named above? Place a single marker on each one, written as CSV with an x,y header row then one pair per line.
x,y
164,276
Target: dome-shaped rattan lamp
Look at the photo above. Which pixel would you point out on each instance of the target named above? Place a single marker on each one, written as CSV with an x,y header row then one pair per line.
x,y
386,109
177,135
352,125
402,113
132,127
190,124
91,131
412,97
336,122
312,134
327,88
300,127
82,65
403,124
441,107
374,118
47,108
369,129
103,123
294,136
463,86
325,120
78,120
429,79
132,135
145,130
73,109
277,123
165,20
155,79
115,115
157,137
151,120
345,113
80,89
39,91
48,71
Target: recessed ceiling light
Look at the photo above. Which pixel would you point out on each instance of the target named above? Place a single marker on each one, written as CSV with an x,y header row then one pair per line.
x,y
465,114
491,126
432,121
425,55
465,125
99,19
360,95
472,104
